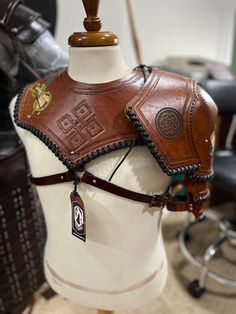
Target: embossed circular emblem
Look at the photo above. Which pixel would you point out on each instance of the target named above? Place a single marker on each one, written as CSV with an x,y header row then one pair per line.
x,y
169,123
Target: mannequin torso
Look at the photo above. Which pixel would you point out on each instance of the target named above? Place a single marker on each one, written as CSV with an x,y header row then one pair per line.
x,y
123,264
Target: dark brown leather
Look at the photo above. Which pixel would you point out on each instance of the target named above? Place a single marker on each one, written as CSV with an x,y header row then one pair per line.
x,y
22,230
152,200
17,159
20,21
6,9
196,194
54,178
173,202
88,178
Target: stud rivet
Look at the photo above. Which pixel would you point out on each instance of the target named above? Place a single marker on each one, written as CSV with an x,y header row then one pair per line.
x,y
14,30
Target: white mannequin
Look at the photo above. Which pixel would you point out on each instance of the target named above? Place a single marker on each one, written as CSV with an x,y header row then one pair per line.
x,y
123,263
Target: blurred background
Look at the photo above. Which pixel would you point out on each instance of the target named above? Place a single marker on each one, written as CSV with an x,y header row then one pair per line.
x,y
194,38
203,28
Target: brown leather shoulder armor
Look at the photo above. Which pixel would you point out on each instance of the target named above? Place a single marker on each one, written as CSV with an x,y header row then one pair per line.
x,y
175,122
80,122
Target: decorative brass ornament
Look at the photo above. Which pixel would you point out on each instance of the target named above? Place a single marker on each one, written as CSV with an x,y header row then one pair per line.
x,y
42,98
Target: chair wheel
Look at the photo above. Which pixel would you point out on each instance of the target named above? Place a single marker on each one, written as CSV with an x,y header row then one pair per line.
x,y
187,236
195,290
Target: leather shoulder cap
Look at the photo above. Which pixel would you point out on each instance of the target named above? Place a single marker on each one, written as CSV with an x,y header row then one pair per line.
x,y
175,122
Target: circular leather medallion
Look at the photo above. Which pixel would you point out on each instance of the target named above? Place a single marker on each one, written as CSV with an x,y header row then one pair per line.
x,y
169,123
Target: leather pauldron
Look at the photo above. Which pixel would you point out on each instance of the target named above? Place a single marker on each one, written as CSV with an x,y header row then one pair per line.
x,y
80,122
175,123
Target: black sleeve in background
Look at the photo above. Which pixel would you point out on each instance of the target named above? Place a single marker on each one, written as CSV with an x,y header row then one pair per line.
x,y
48,9
10,86
8,89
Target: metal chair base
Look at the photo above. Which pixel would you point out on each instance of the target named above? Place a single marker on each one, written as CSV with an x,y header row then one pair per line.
x,y
197,287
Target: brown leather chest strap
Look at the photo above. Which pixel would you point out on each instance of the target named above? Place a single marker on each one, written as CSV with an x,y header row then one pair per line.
x,y
170,199
88,178
152,200
54,178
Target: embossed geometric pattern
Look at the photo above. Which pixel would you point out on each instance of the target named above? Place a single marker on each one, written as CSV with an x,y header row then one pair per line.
x,y
80,125
82,111
66,123
77,140
94,128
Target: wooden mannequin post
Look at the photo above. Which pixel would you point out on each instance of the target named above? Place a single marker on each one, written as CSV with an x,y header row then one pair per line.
x,y
93,37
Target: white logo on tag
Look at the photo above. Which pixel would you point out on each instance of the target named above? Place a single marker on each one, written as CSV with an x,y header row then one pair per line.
x,y
78,217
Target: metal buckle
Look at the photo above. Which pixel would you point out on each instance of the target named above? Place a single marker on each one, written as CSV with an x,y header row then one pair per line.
x,y
153,201
163,200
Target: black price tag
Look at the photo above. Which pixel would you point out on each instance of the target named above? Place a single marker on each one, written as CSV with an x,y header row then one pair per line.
x,y
78,216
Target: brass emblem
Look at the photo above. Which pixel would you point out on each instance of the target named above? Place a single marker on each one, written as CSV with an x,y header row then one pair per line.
x,y
42,98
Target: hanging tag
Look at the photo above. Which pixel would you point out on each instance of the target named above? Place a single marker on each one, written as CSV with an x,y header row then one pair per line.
x,y
78,216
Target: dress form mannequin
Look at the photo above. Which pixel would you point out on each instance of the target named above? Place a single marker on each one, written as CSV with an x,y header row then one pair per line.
x,y
122,265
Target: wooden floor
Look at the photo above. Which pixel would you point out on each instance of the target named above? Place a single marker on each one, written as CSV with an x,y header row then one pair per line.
x,y
174,300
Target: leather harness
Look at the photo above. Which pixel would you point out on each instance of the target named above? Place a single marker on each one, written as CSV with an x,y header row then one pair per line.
x,y
90,179
80,122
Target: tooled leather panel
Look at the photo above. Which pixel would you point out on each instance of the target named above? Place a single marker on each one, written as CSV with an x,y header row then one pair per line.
x,y
203,125
163,113
77,121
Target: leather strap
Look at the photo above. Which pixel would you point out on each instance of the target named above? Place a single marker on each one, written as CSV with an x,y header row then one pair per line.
x,y
152,200
54,179
174,203
88,178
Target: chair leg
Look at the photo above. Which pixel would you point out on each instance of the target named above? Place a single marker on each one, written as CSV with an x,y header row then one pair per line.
x,y
208,255
197,287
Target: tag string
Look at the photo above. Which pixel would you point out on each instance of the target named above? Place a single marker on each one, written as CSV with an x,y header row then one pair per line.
x,y
75,183
144,69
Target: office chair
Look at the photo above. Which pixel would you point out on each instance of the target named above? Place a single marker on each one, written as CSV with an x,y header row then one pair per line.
x,y
224,95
